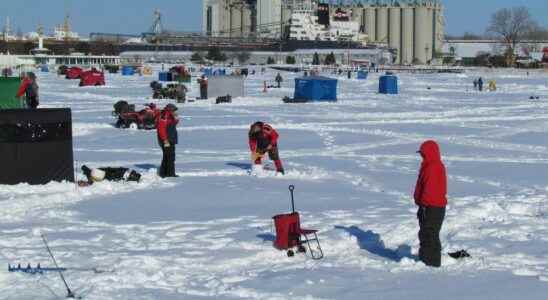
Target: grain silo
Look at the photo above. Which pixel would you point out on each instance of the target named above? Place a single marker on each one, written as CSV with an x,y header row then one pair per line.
x,y
382,24
407,34
235,21
421,41
370,23
394,30
439,28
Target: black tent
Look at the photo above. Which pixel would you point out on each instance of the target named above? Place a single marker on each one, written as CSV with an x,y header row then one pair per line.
x,y
36,146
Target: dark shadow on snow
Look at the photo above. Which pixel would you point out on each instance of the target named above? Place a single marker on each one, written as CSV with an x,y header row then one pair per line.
x,y
147,166
372,242
243,166
266,237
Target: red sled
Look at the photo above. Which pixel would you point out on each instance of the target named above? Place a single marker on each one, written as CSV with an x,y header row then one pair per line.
x,y
290,235
92,77
74,73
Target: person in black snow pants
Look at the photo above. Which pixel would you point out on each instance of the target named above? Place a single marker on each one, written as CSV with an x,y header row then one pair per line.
x,y
166,127
279,80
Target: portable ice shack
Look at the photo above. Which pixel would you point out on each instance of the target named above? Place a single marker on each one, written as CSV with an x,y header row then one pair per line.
x,y
36,146
315,89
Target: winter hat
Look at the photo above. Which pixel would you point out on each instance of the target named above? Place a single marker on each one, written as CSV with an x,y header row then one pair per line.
x,y
171,107
97,175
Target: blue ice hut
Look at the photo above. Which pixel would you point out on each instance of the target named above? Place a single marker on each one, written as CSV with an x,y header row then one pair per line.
x,y
362,74
165,76
316,89
128,71
388,84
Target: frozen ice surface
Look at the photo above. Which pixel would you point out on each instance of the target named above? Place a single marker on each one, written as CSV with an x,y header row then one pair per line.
x,y
208,233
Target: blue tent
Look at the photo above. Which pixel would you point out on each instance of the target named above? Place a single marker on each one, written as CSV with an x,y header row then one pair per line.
x,y
316,88
128,71
362,74
388,84
165,76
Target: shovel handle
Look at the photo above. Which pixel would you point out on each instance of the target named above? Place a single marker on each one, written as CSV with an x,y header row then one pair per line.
x,y
291,189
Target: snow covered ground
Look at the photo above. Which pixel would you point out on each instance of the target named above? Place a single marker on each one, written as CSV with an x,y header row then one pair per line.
x,y
208,234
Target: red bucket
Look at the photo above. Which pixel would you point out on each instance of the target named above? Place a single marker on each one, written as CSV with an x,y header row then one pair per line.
x,y
287,230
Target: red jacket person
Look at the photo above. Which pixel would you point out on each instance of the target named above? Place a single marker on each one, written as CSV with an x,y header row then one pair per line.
x,y
430,197
166,127
262,139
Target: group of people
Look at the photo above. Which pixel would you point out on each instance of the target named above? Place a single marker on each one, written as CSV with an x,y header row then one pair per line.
x,y
478,85
430,190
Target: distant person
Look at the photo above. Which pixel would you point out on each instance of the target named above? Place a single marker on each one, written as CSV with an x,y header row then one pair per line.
x,y
430,197
264,139
279,80
108,174
202,81
305,73
29,88
480,84
181,91
492,85
349,74
166,128
475,84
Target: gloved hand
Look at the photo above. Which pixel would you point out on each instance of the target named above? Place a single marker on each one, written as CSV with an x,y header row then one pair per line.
x,y
167,144
256,155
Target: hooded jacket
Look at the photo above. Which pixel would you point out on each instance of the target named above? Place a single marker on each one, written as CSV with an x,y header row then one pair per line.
x,y
431,188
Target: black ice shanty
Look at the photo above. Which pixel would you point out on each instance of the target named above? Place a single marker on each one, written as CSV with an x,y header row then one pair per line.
x,y
36,146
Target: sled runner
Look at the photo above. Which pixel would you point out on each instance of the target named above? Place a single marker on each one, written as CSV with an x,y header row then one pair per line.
x,y
290,235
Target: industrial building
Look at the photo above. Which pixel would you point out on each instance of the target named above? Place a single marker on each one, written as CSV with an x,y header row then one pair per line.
x,y
413,28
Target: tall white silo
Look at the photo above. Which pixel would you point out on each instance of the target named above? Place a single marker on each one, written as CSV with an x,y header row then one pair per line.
x,y
394,31
371,23
421,42
246,20
382,24
429,48
439,28
235,21
407,34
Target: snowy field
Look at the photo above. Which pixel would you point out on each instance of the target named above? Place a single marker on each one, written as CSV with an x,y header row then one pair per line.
x,y
208,234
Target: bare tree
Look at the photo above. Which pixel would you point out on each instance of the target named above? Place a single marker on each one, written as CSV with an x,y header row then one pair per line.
x,y
512,25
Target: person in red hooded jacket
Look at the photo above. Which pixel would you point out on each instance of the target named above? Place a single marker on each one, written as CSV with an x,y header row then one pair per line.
x,y
262,139
430,197
166,127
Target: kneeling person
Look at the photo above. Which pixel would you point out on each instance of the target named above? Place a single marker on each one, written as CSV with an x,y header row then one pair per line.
x,y
109,174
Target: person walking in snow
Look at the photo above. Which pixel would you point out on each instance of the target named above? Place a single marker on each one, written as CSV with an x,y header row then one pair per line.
x,y
264,139
480,84
203,87
430,197
279,80
166,127
476,84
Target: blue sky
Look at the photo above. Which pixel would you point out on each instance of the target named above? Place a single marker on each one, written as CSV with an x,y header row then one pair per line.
x,y
135,16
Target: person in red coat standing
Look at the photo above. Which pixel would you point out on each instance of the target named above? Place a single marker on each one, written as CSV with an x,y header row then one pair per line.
x,y
166,127
262,139
430,197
